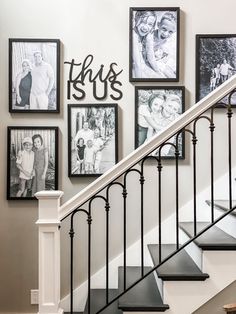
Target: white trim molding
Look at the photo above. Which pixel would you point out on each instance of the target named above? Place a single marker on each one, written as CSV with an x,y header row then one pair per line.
x,y
49,252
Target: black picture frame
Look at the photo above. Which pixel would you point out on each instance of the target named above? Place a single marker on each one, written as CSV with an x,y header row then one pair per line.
x,y
211,51
145,96
20,164
34,75
150,60
101,124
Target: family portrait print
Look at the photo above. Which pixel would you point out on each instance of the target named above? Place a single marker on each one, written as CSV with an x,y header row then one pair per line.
x,y
92,139
34,75
32,161
155,109
216,62
154,44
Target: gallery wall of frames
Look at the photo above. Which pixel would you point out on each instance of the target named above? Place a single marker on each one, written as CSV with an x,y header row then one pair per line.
x,y
154,57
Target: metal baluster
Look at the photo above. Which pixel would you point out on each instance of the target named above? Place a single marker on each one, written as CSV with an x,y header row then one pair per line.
x,y
194,141
107,207
229,114
89,220
212,128
159,167
71,233
177,190
124,197
142,222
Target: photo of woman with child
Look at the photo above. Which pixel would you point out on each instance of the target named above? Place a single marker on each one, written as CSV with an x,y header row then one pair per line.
x,y
32,161
155,109
154,38
34,75
216,63
92,139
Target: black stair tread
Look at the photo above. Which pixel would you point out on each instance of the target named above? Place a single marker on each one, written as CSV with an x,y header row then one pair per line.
x,y
98,300
213,239
145,296
223,205
180,267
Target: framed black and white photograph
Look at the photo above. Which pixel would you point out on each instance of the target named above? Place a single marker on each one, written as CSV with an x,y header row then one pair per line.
x,y
92,139
32,161
155,108
34,75
154,44
215,63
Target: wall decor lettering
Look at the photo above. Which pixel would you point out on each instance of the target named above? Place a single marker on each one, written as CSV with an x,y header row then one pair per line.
x,y
104,80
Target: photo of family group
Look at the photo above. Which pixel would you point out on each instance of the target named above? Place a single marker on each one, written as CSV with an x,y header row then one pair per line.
x,y
34,75
32,161
155,109
216,63
154,44
92,139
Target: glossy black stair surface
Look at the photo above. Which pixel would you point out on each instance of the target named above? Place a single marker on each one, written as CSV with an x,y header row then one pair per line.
x,y
145,296
98,297
212,239
223,205
179,267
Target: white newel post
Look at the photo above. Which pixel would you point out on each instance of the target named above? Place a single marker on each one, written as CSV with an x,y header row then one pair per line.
x,y
49,251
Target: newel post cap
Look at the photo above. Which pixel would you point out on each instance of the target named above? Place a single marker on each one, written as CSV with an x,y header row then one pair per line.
x,y
49,195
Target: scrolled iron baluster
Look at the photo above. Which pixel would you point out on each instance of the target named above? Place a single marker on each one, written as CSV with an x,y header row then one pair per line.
x,y
107,208
230,114
142,180
71,233
177,154
212,128
89,220
124,193
159,168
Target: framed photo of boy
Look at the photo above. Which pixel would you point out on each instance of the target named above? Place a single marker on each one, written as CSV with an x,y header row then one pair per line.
x,y
92,139
154,44
155,108
215,63
34,75
32,161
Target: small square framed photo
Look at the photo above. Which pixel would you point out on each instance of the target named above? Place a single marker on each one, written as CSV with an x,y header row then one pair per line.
x,y
155,108
92,139
154,44
32,161
215,63
34,75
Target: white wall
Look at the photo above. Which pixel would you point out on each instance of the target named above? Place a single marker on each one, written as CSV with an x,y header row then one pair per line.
x,y
101,28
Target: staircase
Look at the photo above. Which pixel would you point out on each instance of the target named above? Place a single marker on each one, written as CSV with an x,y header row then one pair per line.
x,y
181,275
147,296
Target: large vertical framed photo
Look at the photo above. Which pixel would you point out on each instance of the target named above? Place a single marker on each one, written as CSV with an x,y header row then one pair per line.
x,y
155,108
34,75
215,63
92,139
32,161
154,44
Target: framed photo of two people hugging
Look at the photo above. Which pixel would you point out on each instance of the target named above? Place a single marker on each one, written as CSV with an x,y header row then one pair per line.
x,y
32,161
154,44
34,75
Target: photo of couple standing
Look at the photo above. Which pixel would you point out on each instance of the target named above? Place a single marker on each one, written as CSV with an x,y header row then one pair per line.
x,y
33,76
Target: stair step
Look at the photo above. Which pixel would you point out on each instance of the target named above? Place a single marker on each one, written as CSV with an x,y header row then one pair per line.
x,y
98,300
180,267
212,239
145,296
223,205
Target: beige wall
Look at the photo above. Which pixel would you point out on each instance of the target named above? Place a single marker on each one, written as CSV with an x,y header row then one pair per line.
x,y
99,27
